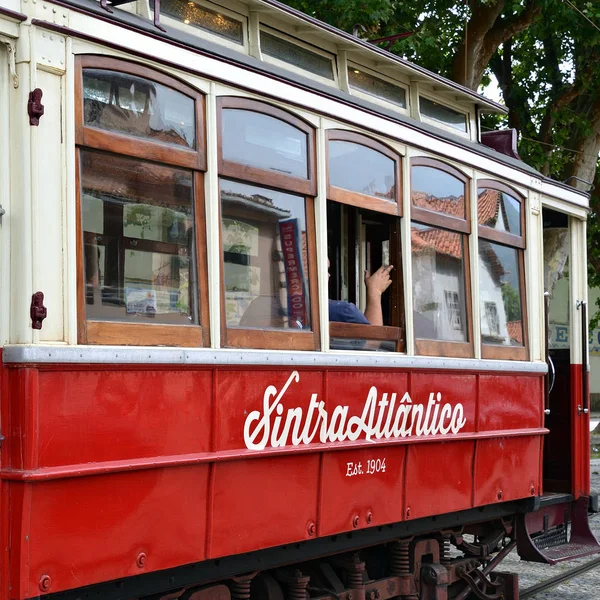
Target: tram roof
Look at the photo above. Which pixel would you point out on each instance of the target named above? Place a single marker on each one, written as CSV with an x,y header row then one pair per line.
x,y
344,40
223,52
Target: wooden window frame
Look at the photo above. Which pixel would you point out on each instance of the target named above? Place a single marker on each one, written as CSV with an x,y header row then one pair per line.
x,y
232,170
273,339
436,218
462,227
338,194
387,207
517,242
92,331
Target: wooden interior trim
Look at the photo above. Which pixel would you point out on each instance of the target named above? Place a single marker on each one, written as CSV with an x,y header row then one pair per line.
x,y
428,217
501,237
500,352
237,102
425,161
269,339
359,200
444,349
116,333
263,177
120,143
367,332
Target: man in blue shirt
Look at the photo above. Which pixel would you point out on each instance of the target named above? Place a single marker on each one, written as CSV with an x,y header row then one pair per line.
x,y
346,312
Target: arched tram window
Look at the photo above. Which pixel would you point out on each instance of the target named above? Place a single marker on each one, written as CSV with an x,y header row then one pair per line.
x,y
440,259
268,264
500,216
142,250
363,233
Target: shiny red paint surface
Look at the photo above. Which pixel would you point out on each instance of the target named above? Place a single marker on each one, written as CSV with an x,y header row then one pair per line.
x,y
580,434
507,469
173,479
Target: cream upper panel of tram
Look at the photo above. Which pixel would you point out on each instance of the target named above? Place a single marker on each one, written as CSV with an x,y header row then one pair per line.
x,y
195,67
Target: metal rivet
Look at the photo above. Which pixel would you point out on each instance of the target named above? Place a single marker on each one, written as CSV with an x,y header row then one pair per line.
x,y
408,512
500,494
369,517
45,583
311,529
355,521
141,560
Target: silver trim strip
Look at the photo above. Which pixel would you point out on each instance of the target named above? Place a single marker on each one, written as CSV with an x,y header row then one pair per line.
x,y
19,354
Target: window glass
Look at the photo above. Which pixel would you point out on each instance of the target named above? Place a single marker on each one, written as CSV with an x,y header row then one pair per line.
x,y
443,114
279,48
135,106
367,83
438,284
265,257
138,233
499,211
500,294
438,191
361,169
259,140
195,15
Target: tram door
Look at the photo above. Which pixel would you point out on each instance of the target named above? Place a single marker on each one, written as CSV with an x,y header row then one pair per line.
x,y
564,445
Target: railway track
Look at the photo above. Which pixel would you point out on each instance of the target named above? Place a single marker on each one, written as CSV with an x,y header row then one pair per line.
x,y
548,584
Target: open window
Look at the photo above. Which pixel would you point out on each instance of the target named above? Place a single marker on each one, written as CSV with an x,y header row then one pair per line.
x,y
363,233
440,259
268,260
141,227
501,271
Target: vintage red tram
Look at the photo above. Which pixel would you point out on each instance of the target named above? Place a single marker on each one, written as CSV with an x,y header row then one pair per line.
x,y
187,187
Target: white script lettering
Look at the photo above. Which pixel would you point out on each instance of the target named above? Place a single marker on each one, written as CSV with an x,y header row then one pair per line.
x,y
380,418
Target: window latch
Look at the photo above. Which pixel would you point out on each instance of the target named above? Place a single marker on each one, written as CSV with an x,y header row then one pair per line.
x,y
37,311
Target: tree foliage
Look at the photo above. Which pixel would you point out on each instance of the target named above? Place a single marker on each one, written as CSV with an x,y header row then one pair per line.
x,y
545,55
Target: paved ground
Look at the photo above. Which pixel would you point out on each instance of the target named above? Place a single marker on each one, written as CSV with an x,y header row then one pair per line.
x,y
586,586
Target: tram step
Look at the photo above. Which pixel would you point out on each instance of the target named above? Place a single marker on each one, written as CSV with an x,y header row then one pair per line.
x,y
552,544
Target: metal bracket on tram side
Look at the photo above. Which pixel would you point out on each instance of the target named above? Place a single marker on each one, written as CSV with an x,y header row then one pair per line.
x,y
11,49
549,385
584,407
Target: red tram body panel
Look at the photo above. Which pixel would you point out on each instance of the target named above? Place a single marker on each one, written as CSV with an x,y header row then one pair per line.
x,y
164,472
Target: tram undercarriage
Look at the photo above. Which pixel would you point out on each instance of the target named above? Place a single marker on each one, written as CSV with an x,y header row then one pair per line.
x,y
447,564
